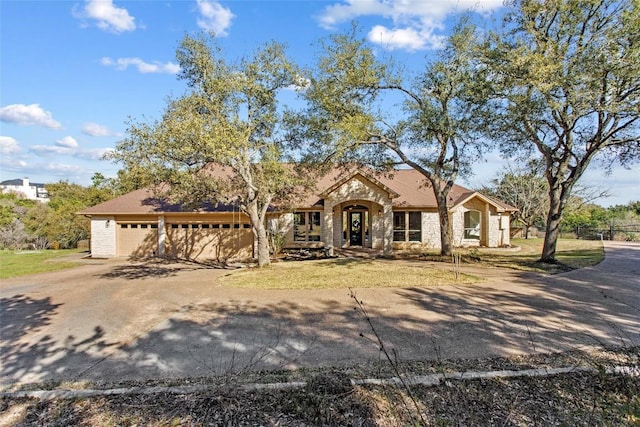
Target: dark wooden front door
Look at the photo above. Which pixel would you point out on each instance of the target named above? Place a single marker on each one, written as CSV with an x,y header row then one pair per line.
x,y
355,228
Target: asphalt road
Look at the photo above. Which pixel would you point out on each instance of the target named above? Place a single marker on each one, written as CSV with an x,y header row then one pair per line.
x,y
111,320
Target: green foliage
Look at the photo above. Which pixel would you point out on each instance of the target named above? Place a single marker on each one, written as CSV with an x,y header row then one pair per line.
x,y
432,129
35,224
566,77
524,188
221,142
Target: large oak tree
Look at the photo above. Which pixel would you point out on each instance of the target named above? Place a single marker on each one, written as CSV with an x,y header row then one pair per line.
x,y
364,110
566,77
228,120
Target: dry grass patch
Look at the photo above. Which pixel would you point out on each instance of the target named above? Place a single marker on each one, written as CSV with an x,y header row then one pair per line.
x,y
571,254
342,273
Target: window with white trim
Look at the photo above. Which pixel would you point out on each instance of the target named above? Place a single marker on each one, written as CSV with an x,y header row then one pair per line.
x,y
306,226
407,226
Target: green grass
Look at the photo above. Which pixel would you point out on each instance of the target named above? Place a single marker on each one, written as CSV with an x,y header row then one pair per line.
x,y
22,263
343,273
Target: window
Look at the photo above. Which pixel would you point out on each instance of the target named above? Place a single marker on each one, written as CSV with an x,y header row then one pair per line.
x,y
399,226
407,226
205,225
306,227
415,227
472,225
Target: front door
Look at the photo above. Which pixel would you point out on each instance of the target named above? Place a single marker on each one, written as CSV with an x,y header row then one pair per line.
x,y
355,228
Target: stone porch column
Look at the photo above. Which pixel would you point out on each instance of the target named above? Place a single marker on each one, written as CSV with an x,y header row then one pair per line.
x,y
387,234
327,227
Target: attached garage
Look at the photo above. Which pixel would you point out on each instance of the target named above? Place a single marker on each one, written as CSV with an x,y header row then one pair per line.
x,y
137,240
211,240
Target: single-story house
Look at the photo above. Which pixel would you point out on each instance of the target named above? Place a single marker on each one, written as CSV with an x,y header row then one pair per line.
x,y
356,209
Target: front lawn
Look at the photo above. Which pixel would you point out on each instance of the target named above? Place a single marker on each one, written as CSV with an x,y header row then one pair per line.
x,y
344,272
21,263
571,254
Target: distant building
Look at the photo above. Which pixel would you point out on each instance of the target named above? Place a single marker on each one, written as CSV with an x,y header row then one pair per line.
x,y
30,190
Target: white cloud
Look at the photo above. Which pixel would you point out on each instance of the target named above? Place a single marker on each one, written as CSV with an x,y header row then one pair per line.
x,y
92,154
214,17
28,115
415,22
67,142
142,66
68,146
9,145
94,129
62,168
108,16
404,38
51,149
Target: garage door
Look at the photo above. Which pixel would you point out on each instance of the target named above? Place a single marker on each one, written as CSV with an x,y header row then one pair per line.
x,y
217,241
137,240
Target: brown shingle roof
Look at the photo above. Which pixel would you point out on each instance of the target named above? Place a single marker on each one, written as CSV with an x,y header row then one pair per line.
x,y
408,188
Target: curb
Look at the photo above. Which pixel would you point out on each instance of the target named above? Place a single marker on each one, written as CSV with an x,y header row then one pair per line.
x,y
423,380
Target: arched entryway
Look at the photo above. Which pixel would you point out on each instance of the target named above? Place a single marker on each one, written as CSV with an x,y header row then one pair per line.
x,y
356,226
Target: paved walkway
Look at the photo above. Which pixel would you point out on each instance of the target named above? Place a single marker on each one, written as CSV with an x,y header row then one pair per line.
x,y
111,320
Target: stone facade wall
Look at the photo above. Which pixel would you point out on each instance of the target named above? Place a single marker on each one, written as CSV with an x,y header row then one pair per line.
x,y
103,237
430,230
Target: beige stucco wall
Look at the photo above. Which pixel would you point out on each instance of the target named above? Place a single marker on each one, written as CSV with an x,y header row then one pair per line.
x,y
103,237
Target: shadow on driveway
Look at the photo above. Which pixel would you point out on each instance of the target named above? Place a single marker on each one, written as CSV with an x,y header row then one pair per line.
x,y
231,330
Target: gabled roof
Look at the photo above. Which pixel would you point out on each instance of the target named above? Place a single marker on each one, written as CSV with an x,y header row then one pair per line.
x,y
363,175
499,205
406,187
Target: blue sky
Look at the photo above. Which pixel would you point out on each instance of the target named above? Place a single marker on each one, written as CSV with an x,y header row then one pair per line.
x,y
72,72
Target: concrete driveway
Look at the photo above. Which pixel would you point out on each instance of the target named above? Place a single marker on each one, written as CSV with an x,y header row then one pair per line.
x,y
113,320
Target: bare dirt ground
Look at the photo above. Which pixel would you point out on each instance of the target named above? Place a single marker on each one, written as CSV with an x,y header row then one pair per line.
x,y
111,323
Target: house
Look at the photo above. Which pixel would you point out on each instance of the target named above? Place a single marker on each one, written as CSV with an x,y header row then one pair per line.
x,y
357,209
30,190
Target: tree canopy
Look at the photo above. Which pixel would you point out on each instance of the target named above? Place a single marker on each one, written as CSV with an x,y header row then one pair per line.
x,y
566,84
228,119
351,116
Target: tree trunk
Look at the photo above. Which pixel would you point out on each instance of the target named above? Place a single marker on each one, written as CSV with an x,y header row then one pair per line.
x,y
446,234
552,233
260,234
263,245
557,200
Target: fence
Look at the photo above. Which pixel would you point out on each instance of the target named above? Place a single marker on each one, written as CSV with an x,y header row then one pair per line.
x,y
630,233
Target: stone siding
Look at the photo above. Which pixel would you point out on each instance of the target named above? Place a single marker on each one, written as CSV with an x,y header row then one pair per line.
x,y
430,230
103,237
